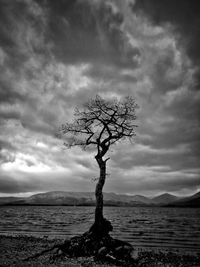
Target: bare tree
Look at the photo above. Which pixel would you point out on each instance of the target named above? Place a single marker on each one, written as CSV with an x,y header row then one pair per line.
x,y
101,123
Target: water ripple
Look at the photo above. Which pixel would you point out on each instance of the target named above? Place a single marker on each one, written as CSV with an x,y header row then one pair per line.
x,y
143,227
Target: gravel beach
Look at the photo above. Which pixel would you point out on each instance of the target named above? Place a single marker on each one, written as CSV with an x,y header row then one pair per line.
x,y
13,249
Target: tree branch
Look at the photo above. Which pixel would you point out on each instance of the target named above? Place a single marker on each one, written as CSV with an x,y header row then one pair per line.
x,y
101,123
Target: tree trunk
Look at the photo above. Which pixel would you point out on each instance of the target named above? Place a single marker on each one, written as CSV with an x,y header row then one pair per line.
x,y
99,194
101,226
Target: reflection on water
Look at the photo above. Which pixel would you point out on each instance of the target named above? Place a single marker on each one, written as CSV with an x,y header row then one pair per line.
x,y
143,227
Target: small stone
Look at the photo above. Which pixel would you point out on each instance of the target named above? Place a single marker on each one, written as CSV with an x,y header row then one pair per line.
x,y
119,249
128,248
135,254
102,251
60,252
123,252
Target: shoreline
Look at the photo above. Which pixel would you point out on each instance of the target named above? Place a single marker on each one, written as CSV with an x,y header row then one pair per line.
x,y
15,248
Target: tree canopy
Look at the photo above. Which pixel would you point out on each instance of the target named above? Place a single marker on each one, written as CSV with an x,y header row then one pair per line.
x,y
101,123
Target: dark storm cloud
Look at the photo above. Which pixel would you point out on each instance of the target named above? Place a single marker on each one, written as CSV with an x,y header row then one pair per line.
x,y
160,74
18,43
6,115
178,111
7,145
152,182
182,130
101,72
32,33
5,156
22,183
184,106
8,13
176,147
187,157
88,31
7,94
39,122
172,185
21,44
12,185
183,15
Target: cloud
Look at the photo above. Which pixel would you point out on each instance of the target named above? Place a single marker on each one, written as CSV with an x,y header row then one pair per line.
x,y
93,30
183,17
151,181
11,185
22,182
55,55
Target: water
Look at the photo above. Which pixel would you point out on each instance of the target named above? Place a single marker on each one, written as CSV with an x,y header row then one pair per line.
x,y
166,228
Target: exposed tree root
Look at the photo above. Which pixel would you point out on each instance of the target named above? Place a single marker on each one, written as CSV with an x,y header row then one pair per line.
x,y
102,247
42,252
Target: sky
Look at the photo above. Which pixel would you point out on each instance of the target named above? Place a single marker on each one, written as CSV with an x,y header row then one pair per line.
x,y
55,55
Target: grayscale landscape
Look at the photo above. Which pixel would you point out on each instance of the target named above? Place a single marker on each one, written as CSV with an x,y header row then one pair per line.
x,y
99,133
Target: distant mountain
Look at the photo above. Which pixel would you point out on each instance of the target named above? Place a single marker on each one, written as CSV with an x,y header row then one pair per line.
x,y
62,198
110,199
77,199
164,199
192,202
85,198
195,196
126,198
5,200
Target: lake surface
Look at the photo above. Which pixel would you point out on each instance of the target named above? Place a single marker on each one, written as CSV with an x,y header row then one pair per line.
x,y
166,228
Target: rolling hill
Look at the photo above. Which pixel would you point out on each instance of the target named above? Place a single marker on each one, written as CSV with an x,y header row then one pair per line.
x,y
82,198
6,200
164,199
192,202
110,199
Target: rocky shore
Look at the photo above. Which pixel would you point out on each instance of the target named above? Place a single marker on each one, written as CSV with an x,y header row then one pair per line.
x,y
14,249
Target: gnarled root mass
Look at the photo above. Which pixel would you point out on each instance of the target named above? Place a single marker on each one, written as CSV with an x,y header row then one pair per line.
x,y
104,248
94,243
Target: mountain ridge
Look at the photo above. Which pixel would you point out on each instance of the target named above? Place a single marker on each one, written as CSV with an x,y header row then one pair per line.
x,y
165,198
69,198
191,201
